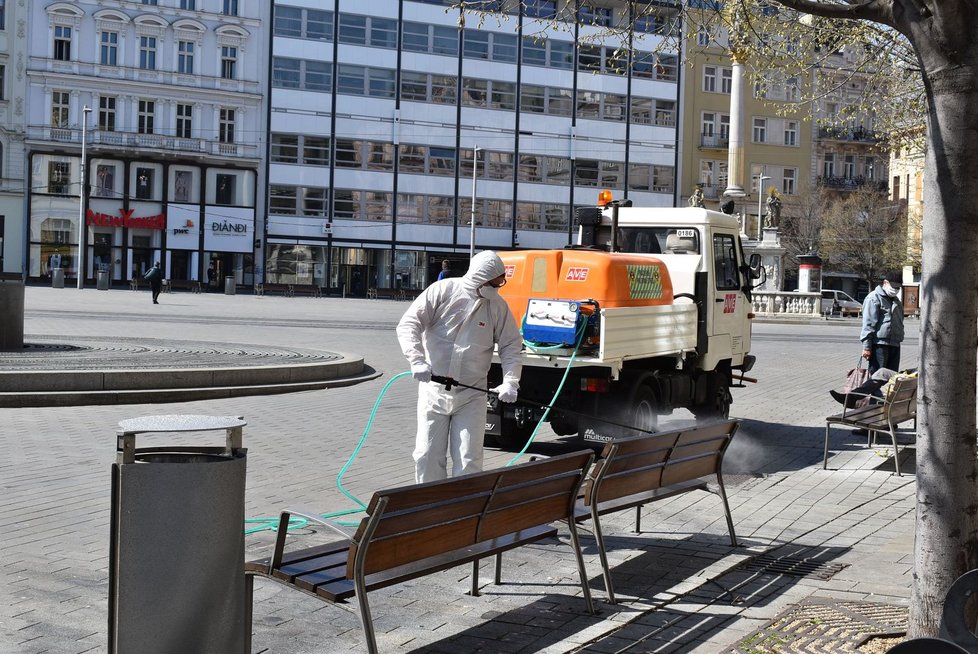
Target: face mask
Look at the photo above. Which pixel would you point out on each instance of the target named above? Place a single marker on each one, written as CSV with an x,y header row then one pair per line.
x,y
489,292
889,290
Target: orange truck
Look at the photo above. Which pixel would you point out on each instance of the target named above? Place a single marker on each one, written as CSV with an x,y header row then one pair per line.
x,y
651,312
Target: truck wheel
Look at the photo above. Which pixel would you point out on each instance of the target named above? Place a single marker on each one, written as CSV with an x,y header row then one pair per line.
x,y
639,411
717,406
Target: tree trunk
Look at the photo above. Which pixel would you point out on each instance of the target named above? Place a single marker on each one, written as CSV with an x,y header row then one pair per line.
x,y
946,543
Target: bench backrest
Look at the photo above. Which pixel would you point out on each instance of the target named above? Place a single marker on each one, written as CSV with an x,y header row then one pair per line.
x,y
412,523
901,401
644,463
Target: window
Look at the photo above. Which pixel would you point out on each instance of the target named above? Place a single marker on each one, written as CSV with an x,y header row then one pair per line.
x,y
185,57
504,48
503,96
106,113
353,29
349,154
226,126
182,182
415,37
147,52
476,44
534,51
314,201
350,80
474,92
288,21
791,132
105,181
185,121
383,32
849,166
225,189
710,79
315,151
828,165
380,83
3,25
146,116
788,177
144,183
725,262
726,80
3,85
665,113
109,50
189,5
62,43
59,108
541,8
149,2
229,60
59,177
663,179
286,73
230,8
703,36
414,87
591,15
639,177
380,156
709,120
285,148
760,130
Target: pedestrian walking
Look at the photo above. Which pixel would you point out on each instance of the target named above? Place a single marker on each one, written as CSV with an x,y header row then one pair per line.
x,y
155,278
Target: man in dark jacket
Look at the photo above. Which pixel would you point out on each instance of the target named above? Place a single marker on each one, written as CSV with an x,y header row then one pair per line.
x,y
882,330
155,278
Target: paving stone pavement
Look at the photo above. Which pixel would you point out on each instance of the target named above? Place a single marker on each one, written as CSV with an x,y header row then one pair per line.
x,y
682,587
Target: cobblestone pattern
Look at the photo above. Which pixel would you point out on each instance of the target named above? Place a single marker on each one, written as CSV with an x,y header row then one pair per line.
x,y
683,589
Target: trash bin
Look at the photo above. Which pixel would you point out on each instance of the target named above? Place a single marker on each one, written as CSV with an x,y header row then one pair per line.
x,y
57,278
176,551
229,285
102,281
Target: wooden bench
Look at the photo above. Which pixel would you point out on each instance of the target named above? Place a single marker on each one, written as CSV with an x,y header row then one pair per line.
x,y
633,472
266,287
886,414
191,285
414,531
385,294
307,289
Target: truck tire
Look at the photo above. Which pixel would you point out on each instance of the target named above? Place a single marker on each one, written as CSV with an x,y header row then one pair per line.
x,y
638,409
717,405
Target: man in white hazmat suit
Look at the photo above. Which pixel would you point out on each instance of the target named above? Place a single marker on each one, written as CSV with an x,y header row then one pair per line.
x,y
450,331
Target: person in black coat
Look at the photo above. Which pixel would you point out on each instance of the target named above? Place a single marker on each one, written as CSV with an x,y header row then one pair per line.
x,y
155,278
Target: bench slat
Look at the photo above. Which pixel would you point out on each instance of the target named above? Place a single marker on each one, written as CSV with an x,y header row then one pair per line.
x,y
690,469
499,522
445,512
407,547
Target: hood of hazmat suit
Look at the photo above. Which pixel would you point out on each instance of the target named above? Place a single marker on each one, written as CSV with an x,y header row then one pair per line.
x,y
452,328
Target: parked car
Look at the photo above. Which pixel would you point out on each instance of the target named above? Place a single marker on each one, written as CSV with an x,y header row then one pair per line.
x,y
838,302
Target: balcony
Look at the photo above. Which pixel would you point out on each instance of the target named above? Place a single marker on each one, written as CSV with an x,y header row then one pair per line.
x,y
848,134
851,183
100,140
714,141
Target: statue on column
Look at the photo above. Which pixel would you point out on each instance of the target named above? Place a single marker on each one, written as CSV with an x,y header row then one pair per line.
x,y
772,218
696,199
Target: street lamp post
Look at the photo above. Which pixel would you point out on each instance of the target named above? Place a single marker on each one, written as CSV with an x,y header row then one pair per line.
x,y
82,187
475,167
760,196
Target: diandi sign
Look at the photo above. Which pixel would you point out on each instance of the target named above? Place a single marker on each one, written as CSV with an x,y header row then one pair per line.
x,y
229,228
125,219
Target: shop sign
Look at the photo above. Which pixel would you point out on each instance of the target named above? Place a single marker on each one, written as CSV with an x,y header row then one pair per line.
x,y
125,219
187,226
229,228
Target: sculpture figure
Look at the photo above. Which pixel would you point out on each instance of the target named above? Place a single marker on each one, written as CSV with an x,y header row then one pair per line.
x,y
696,199
772,218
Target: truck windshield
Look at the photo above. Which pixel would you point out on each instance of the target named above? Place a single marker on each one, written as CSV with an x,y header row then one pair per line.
x,y
652,240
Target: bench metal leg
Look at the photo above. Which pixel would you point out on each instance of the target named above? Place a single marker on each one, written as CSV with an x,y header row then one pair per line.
x,y
603,555
825,458
726,509
474,590
249,611
576,543
896,453
638,519
365,619
498,579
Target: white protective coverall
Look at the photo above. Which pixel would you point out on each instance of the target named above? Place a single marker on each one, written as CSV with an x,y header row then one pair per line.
x,y
450,330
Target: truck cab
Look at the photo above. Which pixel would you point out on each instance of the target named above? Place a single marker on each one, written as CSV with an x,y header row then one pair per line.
x,y
703,252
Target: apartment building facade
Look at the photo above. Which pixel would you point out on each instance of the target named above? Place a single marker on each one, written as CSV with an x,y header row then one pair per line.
x,y
13,117
777,144
385,123
166,97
